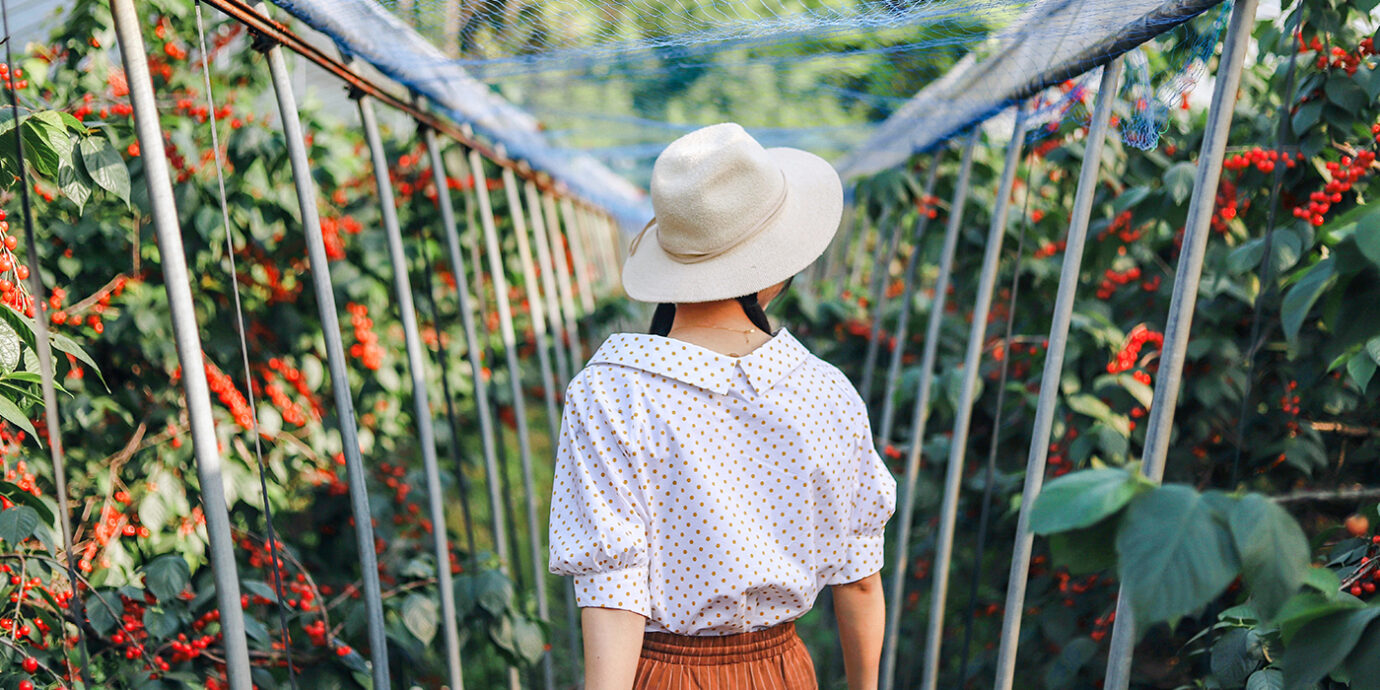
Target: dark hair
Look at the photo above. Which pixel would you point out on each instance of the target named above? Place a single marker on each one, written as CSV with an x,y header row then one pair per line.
x,y
665,313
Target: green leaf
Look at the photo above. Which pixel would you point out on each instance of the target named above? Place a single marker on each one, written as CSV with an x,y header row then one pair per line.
x,y
1063,671
160,622
45,144
1306,116
1273,549
1373,349
1246,257
493,592
529,640
1235,655
105,166
1087,550
1305,607
73,187
10,345
1367,233
1363,663
100,616
19,324
1361,367
66,345
1266,679
1345,92
1298,301
1173,554
420,615
1129,198
17,523
1322,645
1082,499
167,576
1178,180
11,413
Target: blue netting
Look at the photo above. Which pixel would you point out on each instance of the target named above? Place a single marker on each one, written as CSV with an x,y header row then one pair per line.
x,y
566,83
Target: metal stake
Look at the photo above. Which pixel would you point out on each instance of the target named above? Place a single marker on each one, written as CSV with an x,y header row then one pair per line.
x,y
581,268
177,283
505,321
473,352
1053,371
881,271
963,415
1184,299
571,330
548,379
335,360
421,402
893,370
547,269
922,411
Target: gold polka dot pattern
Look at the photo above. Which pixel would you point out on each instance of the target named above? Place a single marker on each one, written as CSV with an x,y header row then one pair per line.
x,y
714,495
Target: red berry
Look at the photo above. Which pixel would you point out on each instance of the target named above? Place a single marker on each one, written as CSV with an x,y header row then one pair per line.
x,y
30,664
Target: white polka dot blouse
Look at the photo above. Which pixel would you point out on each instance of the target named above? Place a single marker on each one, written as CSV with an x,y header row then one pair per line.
x,y
713,494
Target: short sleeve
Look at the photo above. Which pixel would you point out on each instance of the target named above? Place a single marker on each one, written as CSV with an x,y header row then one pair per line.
x,y
873,502
598,528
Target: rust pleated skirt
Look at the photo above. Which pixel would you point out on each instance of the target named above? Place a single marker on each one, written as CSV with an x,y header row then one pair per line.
x,y
771,659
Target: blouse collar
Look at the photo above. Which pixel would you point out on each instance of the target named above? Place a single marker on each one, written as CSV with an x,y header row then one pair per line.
x,y
676,359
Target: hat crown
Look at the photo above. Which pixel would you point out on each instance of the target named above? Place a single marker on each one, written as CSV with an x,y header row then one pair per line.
x,y
712,187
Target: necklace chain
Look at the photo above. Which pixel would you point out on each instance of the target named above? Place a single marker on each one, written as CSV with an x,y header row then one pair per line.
x,y
745,332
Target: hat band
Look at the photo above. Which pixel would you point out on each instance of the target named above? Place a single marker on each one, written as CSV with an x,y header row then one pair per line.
x,y
698,257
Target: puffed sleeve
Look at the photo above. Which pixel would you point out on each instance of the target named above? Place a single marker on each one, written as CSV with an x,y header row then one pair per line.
x,y
873,502
598,527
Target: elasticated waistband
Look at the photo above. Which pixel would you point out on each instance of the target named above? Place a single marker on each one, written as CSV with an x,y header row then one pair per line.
x,y
719,649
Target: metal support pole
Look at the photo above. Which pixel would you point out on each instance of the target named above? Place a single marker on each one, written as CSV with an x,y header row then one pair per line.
x,y
505,320
901,552
838,252
548,381
881,271
177,283
963,415
421,402
473,352
547,269
559,247
574,235
1184,299
1053,371
893,370
335,360
855,261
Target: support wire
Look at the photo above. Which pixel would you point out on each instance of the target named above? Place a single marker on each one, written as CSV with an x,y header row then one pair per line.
x,y
38,292
269,530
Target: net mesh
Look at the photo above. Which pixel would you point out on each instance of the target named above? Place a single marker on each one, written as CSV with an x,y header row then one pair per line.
x,y
588,89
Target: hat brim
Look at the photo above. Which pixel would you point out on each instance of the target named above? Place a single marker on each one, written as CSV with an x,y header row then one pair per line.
x,y
799,235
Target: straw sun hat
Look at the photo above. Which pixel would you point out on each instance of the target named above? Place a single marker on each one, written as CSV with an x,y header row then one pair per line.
x,y
732,218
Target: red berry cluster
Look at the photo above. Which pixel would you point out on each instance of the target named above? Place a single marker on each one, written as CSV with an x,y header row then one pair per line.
x,y
292,412
1059,463
230,396
1337,57
1112,279
12,78
366,348
1049,249
117,521
1260,159
1120,227
927,206
1129,355
1344,174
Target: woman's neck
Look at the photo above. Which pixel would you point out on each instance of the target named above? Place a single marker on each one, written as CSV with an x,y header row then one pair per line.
x,y
719,326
